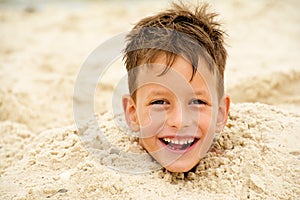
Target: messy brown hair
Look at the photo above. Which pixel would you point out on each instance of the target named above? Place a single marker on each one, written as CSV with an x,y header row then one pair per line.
x,y
179,30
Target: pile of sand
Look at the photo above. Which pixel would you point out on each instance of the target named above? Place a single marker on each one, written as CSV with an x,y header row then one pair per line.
x,y
256,157
44,155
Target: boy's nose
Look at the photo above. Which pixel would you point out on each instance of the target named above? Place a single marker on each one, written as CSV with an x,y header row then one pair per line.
x,y
179,117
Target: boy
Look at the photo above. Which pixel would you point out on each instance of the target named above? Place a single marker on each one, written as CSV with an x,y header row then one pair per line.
x,y
175,62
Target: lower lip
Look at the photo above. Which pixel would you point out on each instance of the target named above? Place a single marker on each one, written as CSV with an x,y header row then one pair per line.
x,y
180,151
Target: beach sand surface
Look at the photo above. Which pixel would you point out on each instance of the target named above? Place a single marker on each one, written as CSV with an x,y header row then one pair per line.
x,y
45,154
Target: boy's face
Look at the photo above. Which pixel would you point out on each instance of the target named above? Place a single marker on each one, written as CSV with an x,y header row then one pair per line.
x,y
176,116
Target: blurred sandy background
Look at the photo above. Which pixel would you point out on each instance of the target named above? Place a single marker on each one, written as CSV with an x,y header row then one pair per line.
x,y
44,44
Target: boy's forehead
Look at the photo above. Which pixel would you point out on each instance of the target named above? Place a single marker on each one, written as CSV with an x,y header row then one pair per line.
x,y
181,66
178,76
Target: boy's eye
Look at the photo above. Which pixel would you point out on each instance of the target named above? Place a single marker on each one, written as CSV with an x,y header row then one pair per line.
x,y
198,101
160,102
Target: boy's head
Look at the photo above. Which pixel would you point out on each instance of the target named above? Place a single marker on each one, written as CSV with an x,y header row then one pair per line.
x,y
175,62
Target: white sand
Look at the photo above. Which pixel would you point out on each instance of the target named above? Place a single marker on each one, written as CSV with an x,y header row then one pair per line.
x,y
43,156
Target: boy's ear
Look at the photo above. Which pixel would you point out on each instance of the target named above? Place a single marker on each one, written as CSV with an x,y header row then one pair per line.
x,y
222,113
129,108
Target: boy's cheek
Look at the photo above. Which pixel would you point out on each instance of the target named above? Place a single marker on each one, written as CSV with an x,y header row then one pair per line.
x,y
149,144
150,130
151,123
205,121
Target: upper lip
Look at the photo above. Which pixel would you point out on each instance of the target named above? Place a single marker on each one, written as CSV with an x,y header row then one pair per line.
x,y
180,136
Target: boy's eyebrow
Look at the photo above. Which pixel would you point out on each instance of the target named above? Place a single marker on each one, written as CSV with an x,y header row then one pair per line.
x,y
158,92
199,92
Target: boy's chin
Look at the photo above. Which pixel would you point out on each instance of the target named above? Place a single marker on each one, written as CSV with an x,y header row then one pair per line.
x,y
180,167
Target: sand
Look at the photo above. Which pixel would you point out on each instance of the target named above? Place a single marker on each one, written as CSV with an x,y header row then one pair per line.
x,y
43,154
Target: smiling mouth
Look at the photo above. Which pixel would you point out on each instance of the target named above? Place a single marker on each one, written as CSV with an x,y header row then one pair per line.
x,y
177,144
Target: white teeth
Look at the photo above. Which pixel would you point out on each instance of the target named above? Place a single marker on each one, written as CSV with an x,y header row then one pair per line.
x,y
181,142
167,139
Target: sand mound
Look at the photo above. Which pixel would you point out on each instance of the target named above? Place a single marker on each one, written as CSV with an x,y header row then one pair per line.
x,y
14,138
252,159
274,88
13,107
257,156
